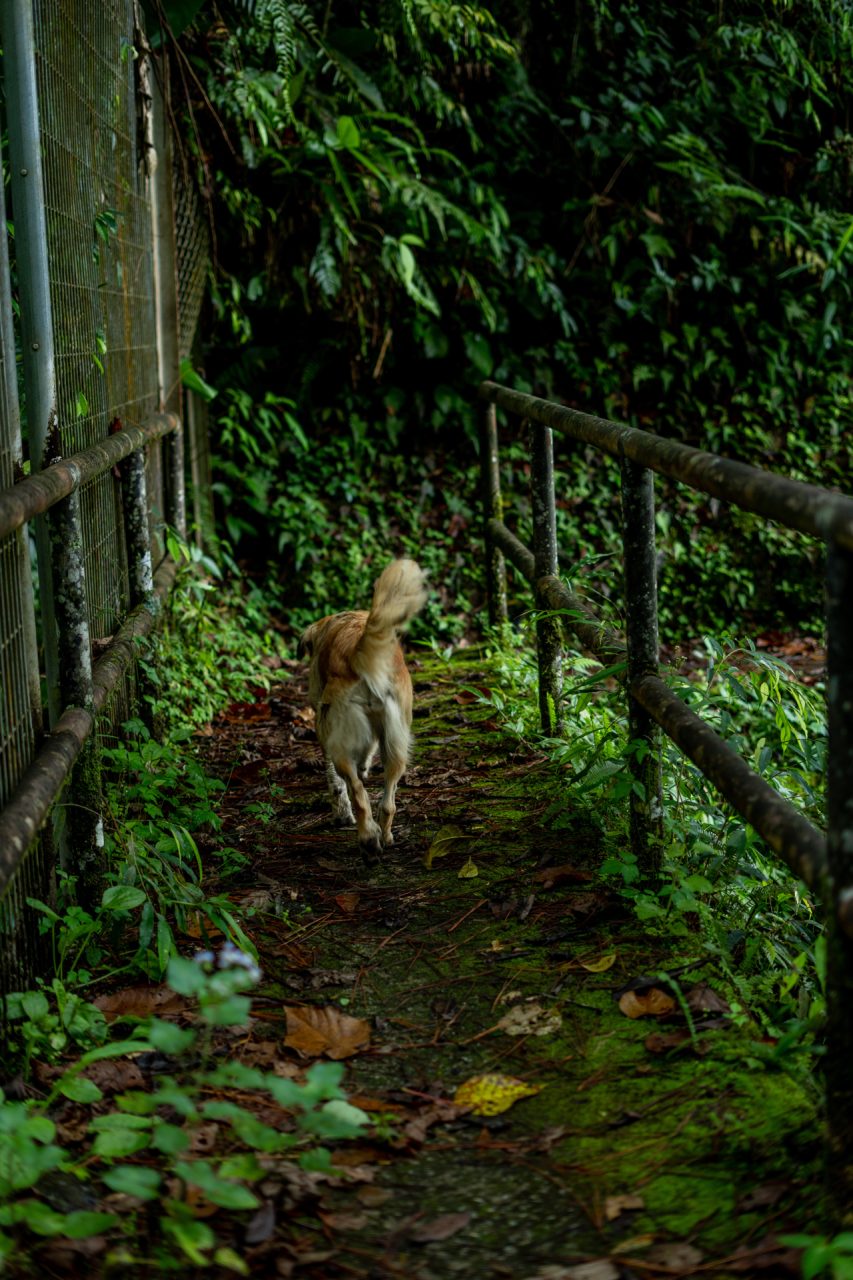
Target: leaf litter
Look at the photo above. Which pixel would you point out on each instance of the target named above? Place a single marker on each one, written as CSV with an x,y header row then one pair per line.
x,y
545,1146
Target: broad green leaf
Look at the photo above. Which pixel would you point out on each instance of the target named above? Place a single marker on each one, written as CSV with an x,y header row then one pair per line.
x,y
134,1180
123,897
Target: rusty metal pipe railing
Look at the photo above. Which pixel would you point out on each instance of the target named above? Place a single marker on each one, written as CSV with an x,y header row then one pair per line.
x,y
36,494
805,507
824,863
37,792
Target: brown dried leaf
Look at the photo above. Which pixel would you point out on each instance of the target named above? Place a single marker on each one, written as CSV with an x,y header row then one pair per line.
x,y
702,999
440,1228
616,1205
313,1031
551,876
652,1003
663,1041
348,901
139,1002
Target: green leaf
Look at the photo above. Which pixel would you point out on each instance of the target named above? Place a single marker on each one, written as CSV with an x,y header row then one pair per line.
x,y
134,1180
168,1038
348,135
192,1236
171,1139
228,1195
232,1261
116,1144
195,382
185,976
79,1088
123,897
34,1005
80,1223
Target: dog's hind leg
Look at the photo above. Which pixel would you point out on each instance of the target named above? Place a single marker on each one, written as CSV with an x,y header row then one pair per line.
x,y
394,746
369,834
341,807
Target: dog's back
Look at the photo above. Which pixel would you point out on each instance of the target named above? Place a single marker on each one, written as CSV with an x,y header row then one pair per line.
x,y
346,647
361,690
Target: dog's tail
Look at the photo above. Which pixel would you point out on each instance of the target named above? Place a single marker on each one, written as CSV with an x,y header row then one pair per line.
x,y
398,594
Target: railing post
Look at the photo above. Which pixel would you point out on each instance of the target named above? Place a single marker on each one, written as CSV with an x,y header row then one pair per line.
x,y
64,609
548,639
134,493
166,301
838,886
638,531
492,510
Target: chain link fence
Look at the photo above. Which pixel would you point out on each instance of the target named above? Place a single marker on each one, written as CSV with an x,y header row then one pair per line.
x,y
101,289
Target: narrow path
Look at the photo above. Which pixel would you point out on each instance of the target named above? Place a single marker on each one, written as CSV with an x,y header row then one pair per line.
x,y
645,1150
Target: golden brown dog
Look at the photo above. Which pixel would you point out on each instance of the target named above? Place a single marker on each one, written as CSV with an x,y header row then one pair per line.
x,y
361,692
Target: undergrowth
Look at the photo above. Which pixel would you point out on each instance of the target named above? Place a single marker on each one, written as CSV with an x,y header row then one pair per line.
x,y
720,885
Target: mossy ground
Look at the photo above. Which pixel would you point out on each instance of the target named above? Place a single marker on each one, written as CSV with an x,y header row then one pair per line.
x,y
707,1145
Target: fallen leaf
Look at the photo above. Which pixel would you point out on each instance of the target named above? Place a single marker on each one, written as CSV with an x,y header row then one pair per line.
x,y
262,1224
633,1242
491,1094
314,1030
373,1197
530,1020
616,1205
140,1002
663,1041
701,999
601,965
344,1221
442,843
469,870
441,1228
676,1255
348,901
652,1003
551,876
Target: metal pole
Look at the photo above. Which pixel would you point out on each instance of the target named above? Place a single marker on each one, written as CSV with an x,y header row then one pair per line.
x,y
641,627
493,510
12,421
166,294
64,609
548,643
28,206
838,884
134,493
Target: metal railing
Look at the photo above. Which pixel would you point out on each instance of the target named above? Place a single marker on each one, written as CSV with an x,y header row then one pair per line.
x,y
824,862
98,305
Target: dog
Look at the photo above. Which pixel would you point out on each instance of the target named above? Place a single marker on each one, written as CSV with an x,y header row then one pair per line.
x,y
361,692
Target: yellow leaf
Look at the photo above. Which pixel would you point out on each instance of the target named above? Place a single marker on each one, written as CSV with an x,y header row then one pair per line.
x,y
442,843
469,870
490,1094
599,965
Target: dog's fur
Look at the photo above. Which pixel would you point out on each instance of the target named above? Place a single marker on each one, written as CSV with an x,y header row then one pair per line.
x,y
361,692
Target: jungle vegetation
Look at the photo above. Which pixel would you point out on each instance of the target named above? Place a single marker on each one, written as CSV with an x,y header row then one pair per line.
x,y
641,209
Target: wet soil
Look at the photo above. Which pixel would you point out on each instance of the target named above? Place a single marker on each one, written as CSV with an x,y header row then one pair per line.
x,y
486,943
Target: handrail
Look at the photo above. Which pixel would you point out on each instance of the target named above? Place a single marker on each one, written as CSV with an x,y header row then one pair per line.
x,y
806,507
825,863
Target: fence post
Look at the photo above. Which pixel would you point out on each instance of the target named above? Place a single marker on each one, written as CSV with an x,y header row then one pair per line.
x,y
638,532
64,609
166,300
492,510
838,884
548,638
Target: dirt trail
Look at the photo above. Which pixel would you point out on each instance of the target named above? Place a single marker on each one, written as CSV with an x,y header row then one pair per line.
x,y
646,1151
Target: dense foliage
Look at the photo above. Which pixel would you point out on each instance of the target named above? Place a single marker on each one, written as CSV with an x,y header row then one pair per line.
x,y
639,208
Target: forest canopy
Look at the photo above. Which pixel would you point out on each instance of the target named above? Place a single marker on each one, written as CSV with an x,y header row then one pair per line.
x,y
641,209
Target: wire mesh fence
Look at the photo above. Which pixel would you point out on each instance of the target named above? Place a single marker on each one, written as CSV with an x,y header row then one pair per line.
x,y
91,186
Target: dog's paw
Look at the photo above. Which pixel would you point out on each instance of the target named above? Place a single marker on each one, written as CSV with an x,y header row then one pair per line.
x,y
371,850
